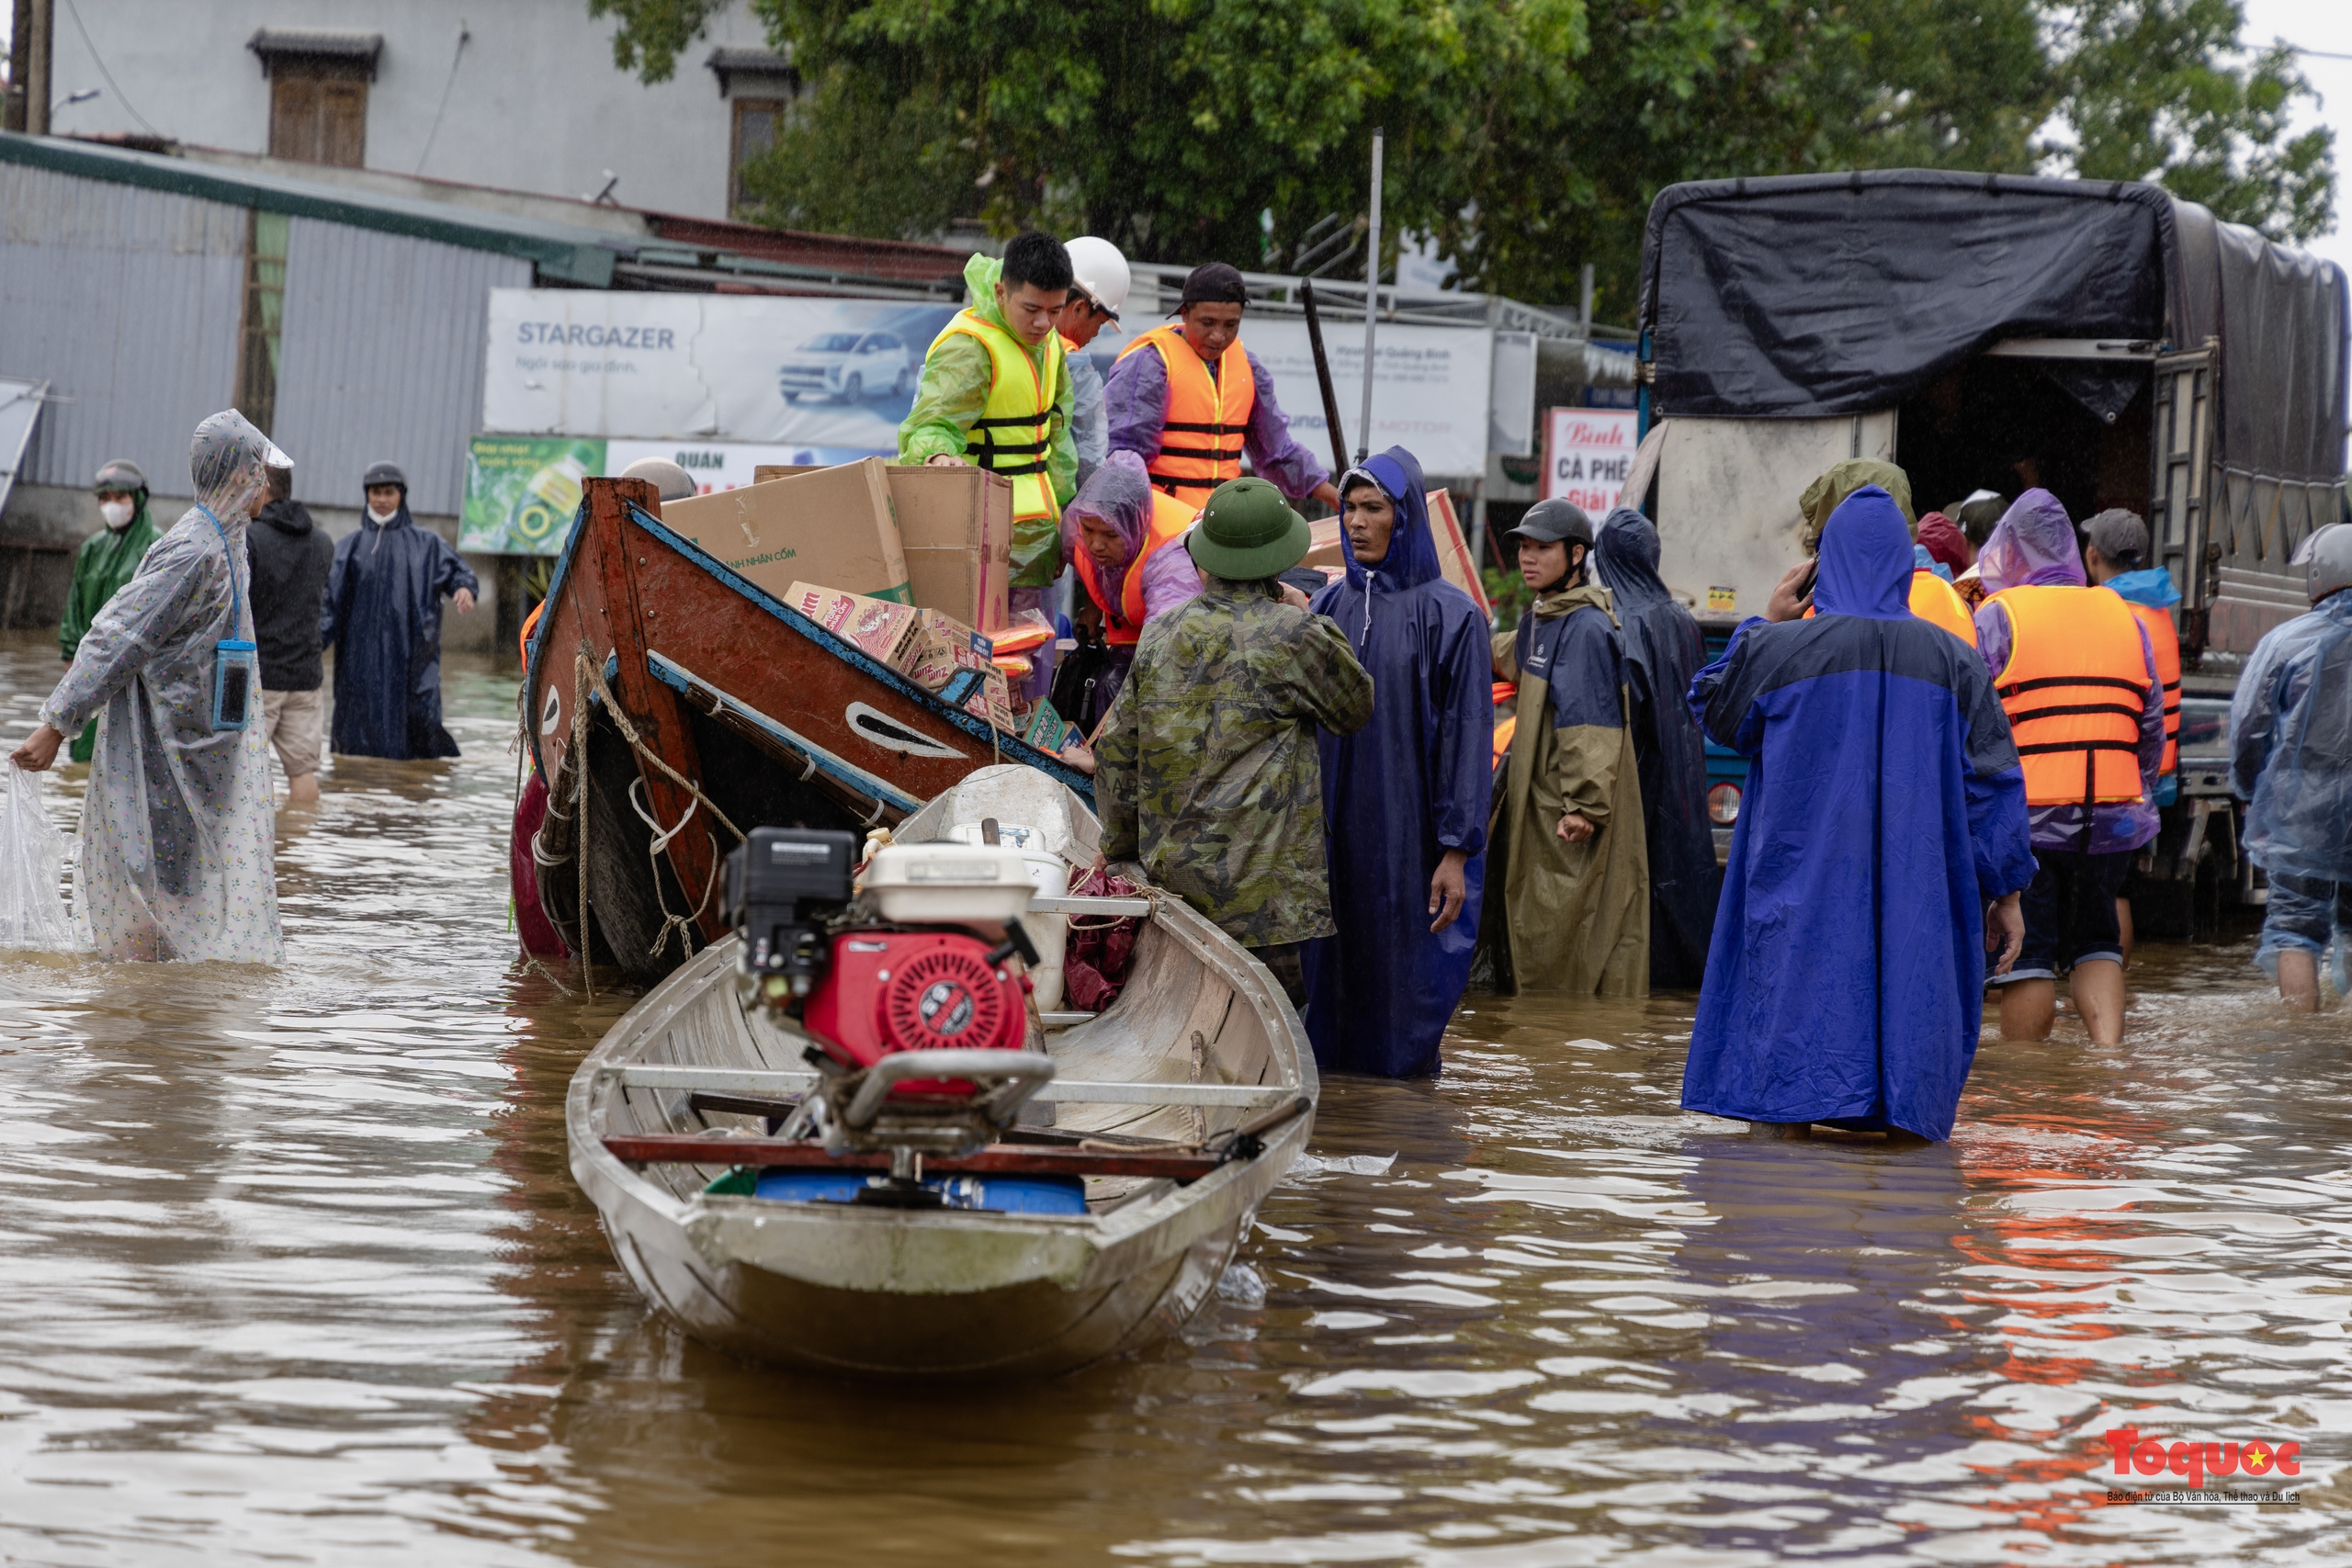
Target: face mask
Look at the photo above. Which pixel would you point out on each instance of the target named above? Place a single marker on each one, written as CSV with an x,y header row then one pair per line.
x,y
383,517
116,512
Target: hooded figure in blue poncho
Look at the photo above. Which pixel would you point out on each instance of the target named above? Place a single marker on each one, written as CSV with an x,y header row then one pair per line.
x,y
1405,797
1664,648
1884,809
382,617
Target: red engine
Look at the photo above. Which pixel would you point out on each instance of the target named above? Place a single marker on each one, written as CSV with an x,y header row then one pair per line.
x,y
922,990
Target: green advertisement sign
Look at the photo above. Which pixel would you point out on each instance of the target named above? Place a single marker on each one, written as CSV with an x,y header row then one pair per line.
x,y
523,491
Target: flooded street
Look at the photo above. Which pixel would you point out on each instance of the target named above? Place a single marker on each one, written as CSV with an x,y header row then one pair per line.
x,y
293,1270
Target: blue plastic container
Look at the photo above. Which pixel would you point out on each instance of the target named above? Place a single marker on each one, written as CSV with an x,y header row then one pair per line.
x,y
998,1194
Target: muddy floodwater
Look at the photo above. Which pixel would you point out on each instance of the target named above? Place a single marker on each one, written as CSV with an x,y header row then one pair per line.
x,y
292,1271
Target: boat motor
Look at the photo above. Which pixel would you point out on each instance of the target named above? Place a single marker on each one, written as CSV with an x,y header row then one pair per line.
x,y
912,990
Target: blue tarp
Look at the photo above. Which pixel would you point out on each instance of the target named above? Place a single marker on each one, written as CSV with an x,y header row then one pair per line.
x,y
1398,794
383,620
1884,807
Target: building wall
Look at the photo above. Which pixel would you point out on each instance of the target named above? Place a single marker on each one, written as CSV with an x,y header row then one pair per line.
x,y
383,359
534,102
127,302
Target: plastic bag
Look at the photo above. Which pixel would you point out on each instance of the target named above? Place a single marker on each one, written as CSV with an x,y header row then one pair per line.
x,y
32,863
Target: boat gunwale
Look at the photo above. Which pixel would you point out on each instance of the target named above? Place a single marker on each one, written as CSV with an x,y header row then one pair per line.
x,y
589,1098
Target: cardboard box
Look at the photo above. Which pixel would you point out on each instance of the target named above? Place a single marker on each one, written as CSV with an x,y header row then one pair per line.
x,y
1454,556
891,633
1043,728
956,530
836,527
946,646
983,694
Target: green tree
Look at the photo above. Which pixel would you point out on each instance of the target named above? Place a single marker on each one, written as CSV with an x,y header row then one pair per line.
x,y
1529,136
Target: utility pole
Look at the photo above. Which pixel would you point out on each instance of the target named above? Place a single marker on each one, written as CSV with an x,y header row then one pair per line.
x,y
29,48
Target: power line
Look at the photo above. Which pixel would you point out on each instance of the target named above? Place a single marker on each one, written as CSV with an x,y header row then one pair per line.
x,y
75,12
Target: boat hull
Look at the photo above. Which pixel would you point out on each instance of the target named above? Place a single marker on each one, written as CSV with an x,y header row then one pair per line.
x,y
959,1294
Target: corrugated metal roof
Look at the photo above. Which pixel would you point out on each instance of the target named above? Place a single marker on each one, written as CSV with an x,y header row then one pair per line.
x,y
560,252
128,301
384,336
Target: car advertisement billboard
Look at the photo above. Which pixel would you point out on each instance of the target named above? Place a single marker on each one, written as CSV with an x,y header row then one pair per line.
x,y
838,376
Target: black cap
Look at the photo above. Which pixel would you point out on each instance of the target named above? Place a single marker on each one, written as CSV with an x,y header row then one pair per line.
x,y
1548,522
384,474
1213,283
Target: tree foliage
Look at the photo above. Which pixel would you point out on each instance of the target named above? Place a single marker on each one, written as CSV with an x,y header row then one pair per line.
x,y
1527,136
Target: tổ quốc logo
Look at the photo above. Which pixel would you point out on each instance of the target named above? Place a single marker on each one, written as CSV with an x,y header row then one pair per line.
x,y
2193,1463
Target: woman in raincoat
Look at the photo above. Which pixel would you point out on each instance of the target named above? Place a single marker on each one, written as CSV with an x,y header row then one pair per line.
x,y
1575,893
1405,797
176,824
1117,516
1664,648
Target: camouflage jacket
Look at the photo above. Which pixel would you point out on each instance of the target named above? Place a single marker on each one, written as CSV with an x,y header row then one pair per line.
x,y
1207,772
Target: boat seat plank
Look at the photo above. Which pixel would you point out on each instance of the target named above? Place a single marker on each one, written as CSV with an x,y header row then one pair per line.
x,y
747,1081
1002,1159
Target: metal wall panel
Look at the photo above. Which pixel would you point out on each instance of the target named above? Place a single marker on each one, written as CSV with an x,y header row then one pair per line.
x,y
384,337
127,302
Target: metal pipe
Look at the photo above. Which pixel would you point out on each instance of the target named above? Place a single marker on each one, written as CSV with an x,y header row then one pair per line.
x,y
1370,302
1584,312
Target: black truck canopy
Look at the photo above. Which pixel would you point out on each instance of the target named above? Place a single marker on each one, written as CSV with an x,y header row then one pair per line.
x,y
1809,296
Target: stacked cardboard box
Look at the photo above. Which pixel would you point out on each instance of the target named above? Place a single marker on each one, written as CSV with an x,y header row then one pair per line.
x,y
937,651
838,526
954,528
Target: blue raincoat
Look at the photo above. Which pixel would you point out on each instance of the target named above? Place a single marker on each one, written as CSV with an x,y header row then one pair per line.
x,y
1398,794
382,617
1664,648
1885,808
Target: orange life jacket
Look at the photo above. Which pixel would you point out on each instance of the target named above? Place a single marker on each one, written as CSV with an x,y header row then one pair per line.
x,y
1123,625
1938,603
2164,638
2074,688
1206,414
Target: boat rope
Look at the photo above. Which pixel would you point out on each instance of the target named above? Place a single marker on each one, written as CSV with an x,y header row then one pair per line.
x,y
581,672
654,848
629,733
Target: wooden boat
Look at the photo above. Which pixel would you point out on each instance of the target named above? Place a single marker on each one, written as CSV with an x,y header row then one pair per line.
x,y
1182,1105
664,668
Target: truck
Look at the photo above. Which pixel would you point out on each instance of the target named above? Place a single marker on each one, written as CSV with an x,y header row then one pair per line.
x,y
2104,340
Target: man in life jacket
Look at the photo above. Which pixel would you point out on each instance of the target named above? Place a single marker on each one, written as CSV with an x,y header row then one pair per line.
x,y
1192,401
2078,674
2115,555
1098,289
996,394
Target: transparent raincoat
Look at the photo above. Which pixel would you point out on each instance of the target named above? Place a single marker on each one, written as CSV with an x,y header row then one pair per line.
x,y
176,826
2290,745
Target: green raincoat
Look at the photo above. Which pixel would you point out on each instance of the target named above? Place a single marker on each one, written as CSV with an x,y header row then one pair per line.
x,y
108,560
1574,917
954,391
1841,479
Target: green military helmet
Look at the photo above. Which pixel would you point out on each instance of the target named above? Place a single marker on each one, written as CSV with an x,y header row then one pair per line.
x,y
1247,531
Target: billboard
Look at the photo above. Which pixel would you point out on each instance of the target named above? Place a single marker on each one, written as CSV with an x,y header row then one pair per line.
x,y
839,375
1588,457
521,490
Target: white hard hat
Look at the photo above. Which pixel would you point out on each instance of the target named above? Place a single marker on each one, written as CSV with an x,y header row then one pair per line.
x,y
1100,271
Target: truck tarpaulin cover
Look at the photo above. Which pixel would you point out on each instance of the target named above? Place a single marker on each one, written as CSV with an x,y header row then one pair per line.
x,y
1811,296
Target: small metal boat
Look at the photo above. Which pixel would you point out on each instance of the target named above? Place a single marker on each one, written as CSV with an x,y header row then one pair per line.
x,y
1180,1106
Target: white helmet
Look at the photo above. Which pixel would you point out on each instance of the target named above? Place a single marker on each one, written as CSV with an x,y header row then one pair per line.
x,y
1100,271
2326,560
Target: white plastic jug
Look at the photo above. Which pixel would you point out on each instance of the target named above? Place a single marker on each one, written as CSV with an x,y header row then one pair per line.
x,y
1049,874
